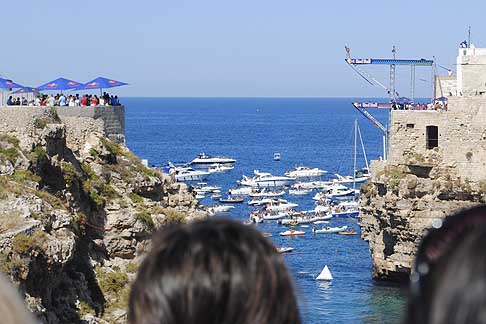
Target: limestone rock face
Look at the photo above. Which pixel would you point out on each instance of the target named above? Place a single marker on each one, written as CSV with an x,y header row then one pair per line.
x,y
400,203
76,218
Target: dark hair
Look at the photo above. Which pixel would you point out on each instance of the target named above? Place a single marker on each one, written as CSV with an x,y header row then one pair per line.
x,y
214,271
448,284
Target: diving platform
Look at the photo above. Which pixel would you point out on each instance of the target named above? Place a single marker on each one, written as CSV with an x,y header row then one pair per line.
x,y
421,62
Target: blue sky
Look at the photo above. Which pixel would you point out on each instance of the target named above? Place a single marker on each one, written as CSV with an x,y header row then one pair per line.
x,y
282,48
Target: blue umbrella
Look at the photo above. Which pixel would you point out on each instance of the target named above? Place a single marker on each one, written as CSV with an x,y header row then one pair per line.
x,y
101,83
8,84
26,90
59,84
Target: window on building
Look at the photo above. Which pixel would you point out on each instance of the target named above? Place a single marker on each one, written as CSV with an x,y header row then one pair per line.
x,y
432,137
410,126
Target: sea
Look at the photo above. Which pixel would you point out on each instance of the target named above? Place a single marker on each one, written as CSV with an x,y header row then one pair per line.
x,y
315,132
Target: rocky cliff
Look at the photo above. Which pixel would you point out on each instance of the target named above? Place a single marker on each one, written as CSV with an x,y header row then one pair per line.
x,y
404,199
76,214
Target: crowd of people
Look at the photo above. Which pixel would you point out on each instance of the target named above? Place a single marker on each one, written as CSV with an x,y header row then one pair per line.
x,y
220,271
66,101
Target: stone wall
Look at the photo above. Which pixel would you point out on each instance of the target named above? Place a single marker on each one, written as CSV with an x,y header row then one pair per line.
x,y
462,135
81,121
417,185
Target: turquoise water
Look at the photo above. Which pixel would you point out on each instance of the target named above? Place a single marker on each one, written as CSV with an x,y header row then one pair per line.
x,y
306,131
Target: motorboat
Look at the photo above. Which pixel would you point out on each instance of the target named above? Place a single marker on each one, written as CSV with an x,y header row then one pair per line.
x,y
329,230
260,202
256,218
292,232
204,159
341,193
304,219
264,193
264,179
322,195
276,156
200,196
275,216
305,172
206,189
189,174
351,232
220,210
300,192
361,176
241,191
285,249
231,200
216,195
279,205
220,168
319,209
345,211
312,185
320,222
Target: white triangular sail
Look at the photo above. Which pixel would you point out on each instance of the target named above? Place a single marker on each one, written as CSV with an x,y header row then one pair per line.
x,y
325,274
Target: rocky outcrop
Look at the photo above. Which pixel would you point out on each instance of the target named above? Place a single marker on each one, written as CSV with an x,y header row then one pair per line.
x,y
402,201
75,218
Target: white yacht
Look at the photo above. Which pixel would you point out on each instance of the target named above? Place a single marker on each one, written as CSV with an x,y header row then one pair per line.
x,y
189,174
264,179
361,176
241,191
305,172
263,193
204,159
279,205
220,168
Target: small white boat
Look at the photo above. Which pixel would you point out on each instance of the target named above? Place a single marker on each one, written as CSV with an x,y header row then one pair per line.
x,y
264,179
292,232
285,249
305,172
206,189
231,200
329,230
200,196
220,168
204,159
312,185
241,191
304,219
320,222
189,174
263,193
276,156
322,209
279,205
361,176
345,211
300,192
216,196
325,274
260,202
220,210
277,216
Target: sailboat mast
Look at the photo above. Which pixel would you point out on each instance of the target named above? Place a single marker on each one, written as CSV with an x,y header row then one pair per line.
x,y
355,144
362,147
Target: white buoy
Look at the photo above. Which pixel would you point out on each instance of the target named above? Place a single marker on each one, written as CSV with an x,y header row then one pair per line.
x,y
325,274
